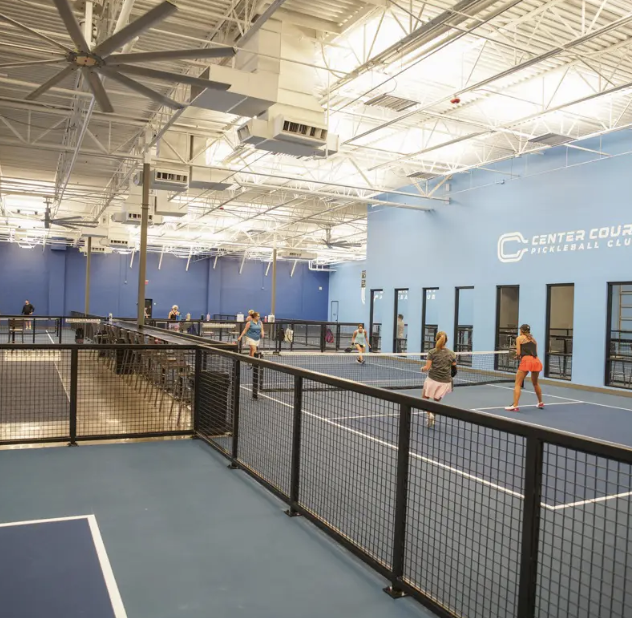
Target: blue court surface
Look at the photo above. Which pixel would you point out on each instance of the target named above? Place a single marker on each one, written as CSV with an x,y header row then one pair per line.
x,y
56,568
185,536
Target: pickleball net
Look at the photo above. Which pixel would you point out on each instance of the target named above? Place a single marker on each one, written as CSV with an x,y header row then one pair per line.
x,y
390,371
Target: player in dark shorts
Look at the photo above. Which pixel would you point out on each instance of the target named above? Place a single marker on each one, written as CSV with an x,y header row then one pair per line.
x,y
527,352
359,340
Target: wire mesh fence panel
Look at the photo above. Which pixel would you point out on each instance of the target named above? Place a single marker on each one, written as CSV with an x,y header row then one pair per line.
x,y
348,466
34,394
345,337
265,428
132,390
214,399
585,553
464,516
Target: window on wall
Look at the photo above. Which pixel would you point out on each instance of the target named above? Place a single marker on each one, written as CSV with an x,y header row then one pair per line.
x,y
559,331
464,322
429,318
619,336
507,303
400,330
375,326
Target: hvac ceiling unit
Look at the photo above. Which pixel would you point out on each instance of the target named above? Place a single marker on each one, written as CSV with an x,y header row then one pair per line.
x,y
116,242
96,62
163,207
551,139
423,175
209,179
99,250
289,137
291,254
134,217
290,130
249,94
165,179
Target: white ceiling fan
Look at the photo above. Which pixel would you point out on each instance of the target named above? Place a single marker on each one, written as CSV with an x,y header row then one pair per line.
x,y
101,59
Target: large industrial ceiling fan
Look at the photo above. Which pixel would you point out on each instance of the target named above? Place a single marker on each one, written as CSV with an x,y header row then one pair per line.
x,y
71,223
101,59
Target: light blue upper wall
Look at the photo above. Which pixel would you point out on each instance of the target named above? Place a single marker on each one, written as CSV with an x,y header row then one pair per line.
x,y
345,288
458,245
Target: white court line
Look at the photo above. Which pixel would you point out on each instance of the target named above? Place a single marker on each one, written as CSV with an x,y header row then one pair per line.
x,y
534,405
511,388
43,521
99,546
63,384
106,568
444,466
568,399
591,501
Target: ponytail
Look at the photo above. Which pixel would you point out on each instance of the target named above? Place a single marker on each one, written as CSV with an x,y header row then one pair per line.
x,y
440,340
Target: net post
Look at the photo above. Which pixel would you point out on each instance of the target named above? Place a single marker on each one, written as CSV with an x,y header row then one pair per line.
x,y
401,502
236,391
196,393
256,381
296,447
74,379
530,528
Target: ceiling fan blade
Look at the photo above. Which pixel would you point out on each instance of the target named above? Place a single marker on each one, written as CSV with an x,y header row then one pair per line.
x,y
171,77
21,26
178,54
32,63
132,84
72,25
54,80
94,81
133,29
72,220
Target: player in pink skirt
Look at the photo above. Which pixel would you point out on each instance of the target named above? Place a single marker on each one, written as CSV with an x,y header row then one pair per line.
x,y
439,367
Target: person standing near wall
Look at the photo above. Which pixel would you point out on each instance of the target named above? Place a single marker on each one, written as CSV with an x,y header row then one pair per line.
x,y
28,310
401,334
174,314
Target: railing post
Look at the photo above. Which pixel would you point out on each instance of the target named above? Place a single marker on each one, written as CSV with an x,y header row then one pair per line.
x,y
527,592
323,337
401,501
74,379
196,391
236,392
33,326
296,447
338,335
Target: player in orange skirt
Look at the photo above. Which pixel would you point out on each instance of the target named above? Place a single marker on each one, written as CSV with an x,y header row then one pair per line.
x,y
527,352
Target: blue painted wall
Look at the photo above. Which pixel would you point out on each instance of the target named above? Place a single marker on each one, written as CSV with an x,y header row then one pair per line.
x,y
54,281
345,288
570,225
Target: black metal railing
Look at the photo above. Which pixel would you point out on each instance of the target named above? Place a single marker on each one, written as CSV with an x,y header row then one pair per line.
x,y
559,358
464,342
21,329
619,359
479,516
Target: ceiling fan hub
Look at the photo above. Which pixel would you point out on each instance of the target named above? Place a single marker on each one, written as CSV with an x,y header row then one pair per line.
x,y
86,59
